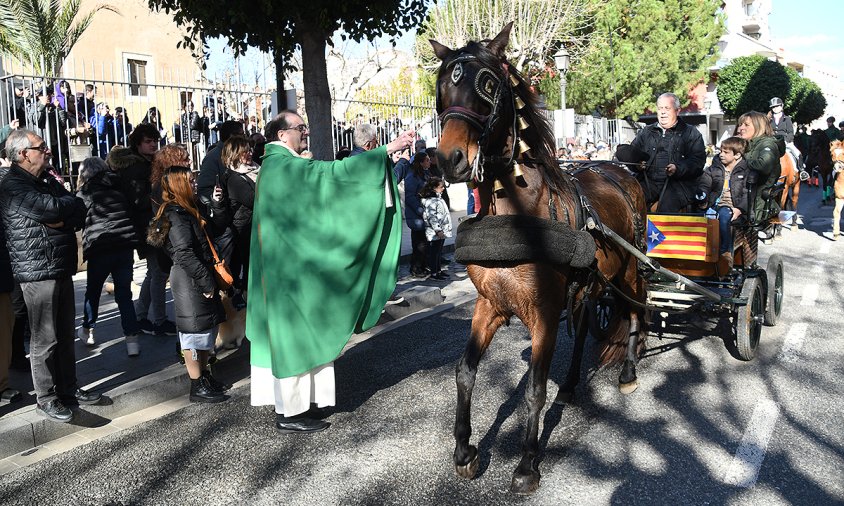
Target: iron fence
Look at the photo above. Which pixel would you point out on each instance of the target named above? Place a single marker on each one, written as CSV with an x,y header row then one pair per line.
x,y
83,110
390,115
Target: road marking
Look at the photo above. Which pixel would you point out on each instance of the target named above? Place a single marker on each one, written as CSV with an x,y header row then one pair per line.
x,y
793,342
810,293
744,468
825,247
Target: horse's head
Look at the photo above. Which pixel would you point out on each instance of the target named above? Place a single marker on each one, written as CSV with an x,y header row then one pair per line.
x,y
836,149
475,103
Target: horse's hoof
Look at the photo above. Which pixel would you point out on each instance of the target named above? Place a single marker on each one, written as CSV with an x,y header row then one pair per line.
x,y
469,470
628,388
525,484
834,237
564,397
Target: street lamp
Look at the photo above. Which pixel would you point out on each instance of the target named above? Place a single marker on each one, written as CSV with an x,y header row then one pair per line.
x,y
562,60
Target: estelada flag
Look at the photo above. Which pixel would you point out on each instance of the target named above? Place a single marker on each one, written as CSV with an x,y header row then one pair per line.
x,y
681,236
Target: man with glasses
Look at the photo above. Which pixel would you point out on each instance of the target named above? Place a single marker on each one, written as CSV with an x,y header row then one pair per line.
x,y
40,217
324,261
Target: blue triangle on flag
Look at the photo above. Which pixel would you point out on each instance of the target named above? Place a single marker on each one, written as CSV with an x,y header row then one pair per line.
x,y
655,237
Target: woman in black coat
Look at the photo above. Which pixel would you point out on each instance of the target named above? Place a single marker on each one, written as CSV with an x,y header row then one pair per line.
x,y
108,242
179,228
241,176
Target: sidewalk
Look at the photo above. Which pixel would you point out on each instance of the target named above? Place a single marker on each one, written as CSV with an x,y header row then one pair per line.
x,y
135,383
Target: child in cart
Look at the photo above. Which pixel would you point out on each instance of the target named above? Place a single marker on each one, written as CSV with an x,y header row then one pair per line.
x,y
723,191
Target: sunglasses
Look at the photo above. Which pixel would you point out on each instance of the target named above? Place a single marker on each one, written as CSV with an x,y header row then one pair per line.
x,y
42,148
301,128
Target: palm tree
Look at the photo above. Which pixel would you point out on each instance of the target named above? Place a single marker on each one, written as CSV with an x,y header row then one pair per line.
x,y
43,31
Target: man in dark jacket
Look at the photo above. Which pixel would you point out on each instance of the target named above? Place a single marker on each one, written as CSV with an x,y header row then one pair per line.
x,y
134,166
40,218
676,156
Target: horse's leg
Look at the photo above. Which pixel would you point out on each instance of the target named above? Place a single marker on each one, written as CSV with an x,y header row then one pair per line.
x,y
627,382
836,218
544,334
795,197
566,392
484,324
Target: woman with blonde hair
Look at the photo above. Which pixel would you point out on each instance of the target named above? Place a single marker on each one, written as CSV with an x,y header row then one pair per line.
x,y
180,230
763,160
240,178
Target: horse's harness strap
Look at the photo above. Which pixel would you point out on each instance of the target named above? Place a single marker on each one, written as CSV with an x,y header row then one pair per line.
x,y
638,225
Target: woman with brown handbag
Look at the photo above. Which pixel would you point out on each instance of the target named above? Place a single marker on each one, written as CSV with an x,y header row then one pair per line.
x,y
180,230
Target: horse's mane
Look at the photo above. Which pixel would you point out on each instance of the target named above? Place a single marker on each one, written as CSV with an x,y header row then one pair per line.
x,y
539,135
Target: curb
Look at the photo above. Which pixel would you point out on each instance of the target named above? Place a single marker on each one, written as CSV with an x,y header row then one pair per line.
x,y
24,430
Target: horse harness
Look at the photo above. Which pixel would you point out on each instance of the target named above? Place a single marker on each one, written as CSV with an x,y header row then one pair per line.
x,y
494,90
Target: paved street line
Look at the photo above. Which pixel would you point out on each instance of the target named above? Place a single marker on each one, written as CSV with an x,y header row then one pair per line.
x,y
744,468
810,293
793,342
825,247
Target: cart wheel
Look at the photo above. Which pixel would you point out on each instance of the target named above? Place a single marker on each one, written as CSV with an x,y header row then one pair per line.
x,y
749,318
603,316
776,282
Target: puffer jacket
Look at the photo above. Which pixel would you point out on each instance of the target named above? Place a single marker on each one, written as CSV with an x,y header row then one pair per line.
x,y
681,145
108,222
181,235
763,160
135,172
28,204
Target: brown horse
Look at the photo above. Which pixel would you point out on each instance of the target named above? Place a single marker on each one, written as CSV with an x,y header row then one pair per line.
x,y
493,133
836,151
790,176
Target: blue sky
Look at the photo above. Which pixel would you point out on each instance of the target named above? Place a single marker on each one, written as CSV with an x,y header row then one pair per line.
x,y
812,29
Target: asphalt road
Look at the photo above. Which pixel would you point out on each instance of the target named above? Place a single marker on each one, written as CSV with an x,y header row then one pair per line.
x,y
703,427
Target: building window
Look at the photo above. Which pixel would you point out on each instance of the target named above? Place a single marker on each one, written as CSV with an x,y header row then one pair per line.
x,y
137,77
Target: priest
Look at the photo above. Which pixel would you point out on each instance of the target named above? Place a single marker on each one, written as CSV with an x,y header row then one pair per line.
x,y
326,238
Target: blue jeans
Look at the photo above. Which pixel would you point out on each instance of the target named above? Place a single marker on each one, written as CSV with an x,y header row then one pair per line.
x,y
725,217
470,203
119,265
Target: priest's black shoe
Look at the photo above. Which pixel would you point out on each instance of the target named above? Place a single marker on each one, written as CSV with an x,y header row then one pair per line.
x,y
55,410
299,424
201,391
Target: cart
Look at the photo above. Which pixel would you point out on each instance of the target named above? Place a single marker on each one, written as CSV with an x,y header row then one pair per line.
x,y
685,274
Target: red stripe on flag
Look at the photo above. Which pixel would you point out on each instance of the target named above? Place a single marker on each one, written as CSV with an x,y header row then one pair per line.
x,y
674,242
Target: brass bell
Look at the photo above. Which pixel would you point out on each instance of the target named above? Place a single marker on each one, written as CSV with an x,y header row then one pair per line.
x,y
523,124
520,104
517,170
523,146
498,187
513,81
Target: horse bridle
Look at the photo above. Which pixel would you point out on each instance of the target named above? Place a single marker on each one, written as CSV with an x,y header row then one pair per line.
x,y
492,89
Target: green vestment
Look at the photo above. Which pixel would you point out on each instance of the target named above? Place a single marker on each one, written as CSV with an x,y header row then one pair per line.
x,y
324,256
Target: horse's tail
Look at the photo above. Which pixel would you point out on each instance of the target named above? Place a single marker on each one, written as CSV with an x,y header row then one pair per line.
x,y
615,346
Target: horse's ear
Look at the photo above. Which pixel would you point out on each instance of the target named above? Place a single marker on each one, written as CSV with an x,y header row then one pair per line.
x,y
499,43
440,50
